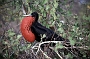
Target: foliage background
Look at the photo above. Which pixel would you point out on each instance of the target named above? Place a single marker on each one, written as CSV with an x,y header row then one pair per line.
x,y
68,18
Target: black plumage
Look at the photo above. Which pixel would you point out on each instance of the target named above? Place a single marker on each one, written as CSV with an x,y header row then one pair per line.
x,y
39,30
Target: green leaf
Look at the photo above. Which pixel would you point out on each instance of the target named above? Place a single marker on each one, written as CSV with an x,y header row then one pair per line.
x,y
60,30
70,38
59,45
44,14
53,23
84,55
5,42
18,36
64,35
47,7
45,1
43,36
85,17
56,5
28,46
72,42
11,33
89,36
55,17
15,43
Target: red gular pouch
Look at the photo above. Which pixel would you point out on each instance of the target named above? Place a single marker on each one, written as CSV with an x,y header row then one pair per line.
x,y
25,28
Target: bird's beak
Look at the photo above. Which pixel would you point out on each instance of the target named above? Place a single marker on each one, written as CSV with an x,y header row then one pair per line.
x,y
27,15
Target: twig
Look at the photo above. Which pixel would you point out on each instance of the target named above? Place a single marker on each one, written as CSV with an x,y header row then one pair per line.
x,y
38,47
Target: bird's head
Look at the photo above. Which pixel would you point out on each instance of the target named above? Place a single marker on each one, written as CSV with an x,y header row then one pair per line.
x,y
35,15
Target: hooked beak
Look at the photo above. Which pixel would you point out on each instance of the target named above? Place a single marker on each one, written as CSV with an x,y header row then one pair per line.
x,y
27,15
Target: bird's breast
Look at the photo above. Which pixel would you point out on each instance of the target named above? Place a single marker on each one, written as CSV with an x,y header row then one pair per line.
x,y
25,29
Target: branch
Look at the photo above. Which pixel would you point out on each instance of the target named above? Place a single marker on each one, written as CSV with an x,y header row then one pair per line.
x,y
38,47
